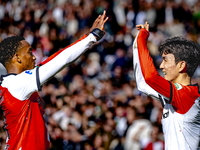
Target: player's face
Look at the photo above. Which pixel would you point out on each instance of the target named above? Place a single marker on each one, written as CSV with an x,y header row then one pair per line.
x,y
169,67
26,56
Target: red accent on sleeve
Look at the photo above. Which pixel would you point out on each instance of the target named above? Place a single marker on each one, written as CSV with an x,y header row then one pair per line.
x,y
149,71
55,54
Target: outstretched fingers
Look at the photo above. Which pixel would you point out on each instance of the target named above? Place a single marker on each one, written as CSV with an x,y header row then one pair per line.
x,y
103,16
105,20
102,21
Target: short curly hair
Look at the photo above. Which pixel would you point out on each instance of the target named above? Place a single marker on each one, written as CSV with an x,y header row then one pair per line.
x,y
183,50
8,48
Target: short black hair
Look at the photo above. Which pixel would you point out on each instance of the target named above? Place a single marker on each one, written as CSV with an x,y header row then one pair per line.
x,y
183,50
8,48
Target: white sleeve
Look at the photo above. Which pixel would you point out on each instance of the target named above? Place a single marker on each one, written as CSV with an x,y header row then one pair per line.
x,y
22,85
66,57
140,81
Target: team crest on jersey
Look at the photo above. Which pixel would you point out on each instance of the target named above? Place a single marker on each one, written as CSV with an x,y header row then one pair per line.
x,y
178,86
28,72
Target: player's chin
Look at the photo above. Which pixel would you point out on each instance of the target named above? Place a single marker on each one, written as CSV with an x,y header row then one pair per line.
x,y
168,79
34,65
165,77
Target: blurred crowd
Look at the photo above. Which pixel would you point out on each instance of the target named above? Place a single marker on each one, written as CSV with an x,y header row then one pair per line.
x,y
94,104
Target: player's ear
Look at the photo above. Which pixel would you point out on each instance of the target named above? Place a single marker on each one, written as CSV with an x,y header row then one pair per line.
x,y
17,58
182,67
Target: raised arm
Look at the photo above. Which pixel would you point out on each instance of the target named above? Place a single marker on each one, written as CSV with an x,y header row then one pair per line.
x,y
66,56
147,78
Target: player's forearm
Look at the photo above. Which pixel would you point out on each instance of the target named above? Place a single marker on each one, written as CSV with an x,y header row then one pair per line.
x,y
148,69
64,58
55,54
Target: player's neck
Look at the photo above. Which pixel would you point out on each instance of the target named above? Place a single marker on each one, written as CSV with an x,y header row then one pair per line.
x,y
13,69
183,79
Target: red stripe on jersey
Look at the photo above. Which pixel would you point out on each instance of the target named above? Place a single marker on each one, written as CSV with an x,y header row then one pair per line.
x,y
55,54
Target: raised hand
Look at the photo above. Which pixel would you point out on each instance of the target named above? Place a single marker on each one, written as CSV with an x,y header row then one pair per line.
x,y
97,28
100,22
140,26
